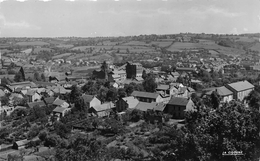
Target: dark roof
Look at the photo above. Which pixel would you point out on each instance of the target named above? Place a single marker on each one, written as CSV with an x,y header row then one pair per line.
x,y
222,91
180,101
144,106
241,86
44,84
87,98
49,100
145,94
163,87
32,104
58,102
59,109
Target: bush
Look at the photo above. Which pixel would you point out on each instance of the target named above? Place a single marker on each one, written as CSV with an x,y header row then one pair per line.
x,y
42,135
33,132
52,140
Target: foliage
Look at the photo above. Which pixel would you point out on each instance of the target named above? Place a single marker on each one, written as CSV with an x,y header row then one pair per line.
x,y
61,129
4,100
149,83
37,112
18,77
42,135
136,115
253,99
33,132
75,94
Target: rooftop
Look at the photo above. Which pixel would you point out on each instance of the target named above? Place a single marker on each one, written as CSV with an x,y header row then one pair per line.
x,y
180,101
145,94
241,86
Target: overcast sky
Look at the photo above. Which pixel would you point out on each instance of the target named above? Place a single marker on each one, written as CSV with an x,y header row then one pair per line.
x,y
89,18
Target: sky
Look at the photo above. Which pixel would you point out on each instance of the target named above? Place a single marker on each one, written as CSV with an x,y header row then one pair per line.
x,y
91,18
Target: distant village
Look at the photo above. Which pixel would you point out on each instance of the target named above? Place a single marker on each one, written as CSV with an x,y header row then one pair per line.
x,y
161,93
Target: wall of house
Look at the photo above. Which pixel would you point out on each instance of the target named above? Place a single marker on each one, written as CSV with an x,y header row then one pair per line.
x,y
227,98
121,105
177,112
94,102
242,94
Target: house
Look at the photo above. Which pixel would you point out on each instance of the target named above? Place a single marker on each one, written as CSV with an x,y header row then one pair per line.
x,y
145,106
91,100
49,100
102,110
33,104
26,84
20,144
177,107
167,89
183,92
240,89
225,94
133,70
147,96
60,103
60,111
116,75
2,93
33,95
114,84
127,102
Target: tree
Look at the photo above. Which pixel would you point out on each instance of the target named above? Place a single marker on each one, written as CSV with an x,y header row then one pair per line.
x,y
37,112
61,129
253,99
37,76
121,93
4,81
102,94
112,94
144,75
104,68
75,94
18,77
215,98
43,78
4,100
149,84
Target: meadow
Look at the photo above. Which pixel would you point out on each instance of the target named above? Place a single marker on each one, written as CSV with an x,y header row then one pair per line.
x,y
37,50
67,46
32,43
161,43
256,47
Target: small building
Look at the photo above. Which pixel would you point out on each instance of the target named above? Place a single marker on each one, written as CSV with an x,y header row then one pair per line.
x,y
225,94
147,96
91,100
33,95
60,103
133,70
127,102
102,110
240,89
60,111
20,144
38,103
177,107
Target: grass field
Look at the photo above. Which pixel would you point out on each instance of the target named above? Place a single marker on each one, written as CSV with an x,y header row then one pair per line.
x,y
161,43
256,47
67,46
32,43
37,50
222,50
62,55
245,39
27,51
135,43
83,48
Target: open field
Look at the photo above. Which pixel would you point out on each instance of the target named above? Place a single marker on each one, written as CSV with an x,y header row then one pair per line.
x,y
161,43
256,47
245,39
67,46
27,51
32,43
135,43
83,48
37,50
62,55
220,49
108,43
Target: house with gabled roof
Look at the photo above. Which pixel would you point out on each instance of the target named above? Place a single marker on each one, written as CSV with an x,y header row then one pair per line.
x,y
49,100
60,103
91,100
60,111
33,95
240,89
225,94
126,102
38,103
177,107
147,96
102,110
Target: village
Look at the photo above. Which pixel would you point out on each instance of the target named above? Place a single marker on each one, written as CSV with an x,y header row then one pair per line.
x,y
33,108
